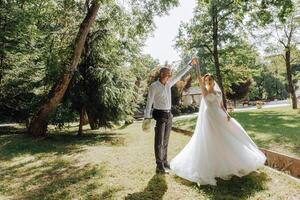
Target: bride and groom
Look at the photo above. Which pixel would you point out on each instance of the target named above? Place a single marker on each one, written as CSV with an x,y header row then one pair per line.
x,y
219,147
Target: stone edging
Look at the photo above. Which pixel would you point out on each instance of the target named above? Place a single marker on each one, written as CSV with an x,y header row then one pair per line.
x,y
278,161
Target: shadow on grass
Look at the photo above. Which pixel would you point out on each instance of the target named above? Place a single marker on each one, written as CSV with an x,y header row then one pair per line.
x,y
12,145
236,188
155,189
55,179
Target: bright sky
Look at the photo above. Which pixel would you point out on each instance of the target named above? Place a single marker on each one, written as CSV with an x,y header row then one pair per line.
x,y
161,45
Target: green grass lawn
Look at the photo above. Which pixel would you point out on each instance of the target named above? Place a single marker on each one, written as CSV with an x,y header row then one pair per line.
x,y
276,129
115,164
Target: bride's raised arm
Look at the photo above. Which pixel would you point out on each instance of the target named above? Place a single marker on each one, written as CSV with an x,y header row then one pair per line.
x,y
200,79
202,85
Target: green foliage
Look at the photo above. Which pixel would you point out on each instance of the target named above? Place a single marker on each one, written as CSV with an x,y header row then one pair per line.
x,y
264,10
282,32
239,64
108,94
36,42
268,85
239,61
142,65
239,90
35,36
104,81
296,74
237,58
63,114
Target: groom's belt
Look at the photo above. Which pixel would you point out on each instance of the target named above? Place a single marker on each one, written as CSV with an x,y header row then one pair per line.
x,y
167,111
161,114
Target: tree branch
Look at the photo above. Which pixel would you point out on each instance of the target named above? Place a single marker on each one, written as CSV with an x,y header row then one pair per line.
x,y
226,14
278,38
283,57
225,6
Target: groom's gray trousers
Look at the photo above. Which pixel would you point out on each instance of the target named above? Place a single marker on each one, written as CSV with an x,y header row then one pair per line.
x,y
162,133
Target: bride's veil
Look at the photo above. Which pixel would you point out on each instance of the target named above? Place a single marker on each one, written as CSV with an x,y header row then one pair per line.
x,y
217,88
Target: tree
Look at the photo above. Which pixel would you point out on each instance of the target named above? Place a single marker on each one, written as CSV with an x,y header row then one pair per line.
x,y
284,29
38,37
102,87
268,83
141,65
38,125
275,65
142,12
34,39
216,25
239,91
287,39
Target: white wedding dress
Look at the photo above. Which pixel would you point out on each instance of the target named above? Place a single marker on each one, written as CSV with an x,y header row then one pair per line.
x,y
218,147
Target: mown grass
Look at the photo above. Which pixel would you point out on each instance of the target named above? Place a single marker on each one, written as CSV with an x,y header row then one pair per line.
x,y
45,168
116,164
276,129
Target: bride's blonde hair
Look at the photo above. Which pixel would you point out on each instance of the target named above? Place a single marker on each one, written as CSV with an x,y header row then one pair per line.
x,y
209,74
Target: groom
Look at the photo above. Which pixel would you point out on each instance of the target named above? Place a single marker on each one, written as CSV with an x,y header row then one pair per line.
x,y
160,96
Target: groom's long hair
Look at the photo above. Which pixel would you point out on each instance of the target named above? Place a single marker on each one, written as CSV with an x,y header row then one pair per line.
x,y
163,69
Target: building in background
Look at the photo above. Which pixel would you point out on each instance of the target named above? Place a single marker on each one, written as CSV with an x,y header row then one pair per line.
x,y
191,97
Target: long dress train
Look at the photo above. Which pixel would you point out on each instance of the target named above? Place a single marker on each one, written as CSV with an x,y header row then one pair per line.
x,y
218,147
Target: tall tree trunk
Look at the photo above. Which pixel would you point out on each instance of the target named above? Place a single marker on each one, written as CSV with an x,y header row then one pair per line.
x,y
216,51
92,122
289,77
85,119
81,120
38,125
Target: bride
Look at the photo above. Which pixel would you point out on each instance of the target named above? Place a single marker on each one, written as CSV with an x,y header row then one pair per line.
x,y
219,147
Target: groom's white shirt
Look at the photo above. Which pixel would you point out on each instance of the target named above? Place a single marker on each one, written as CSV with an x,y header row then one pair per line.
x,y
159,95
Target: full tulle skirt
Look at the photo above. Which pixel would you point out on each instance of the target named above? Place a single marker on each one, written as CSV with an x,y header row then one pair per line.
x,y
218,148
